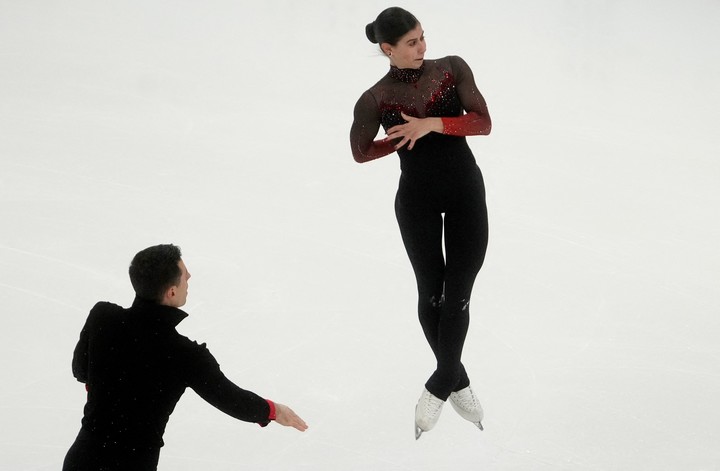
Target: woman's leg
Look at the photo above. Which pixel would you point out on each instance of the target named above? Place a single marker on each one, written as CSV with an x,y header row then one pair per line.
x,y
466,238
421,231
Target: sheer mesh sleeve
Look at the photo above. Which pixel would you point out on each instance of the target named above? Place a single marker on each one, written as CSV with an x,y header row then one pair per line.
x,y
477,120
365,127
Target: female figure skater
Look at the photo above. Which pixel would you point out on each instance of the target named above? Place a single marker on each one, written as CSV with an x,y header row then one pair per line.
x,y
426,108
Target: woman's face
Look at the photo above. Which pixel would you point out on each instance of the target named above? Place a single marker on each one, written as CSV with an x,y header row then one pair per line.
x,y
409,52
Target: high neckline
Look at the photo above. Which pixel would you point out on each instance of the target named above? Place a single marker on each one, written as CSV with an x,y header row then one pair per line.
x,y
407,75
159,312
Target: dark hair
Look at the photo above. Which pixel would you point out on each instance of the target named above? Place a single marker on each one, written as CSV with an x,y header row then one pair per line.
x,y
391,25
154,270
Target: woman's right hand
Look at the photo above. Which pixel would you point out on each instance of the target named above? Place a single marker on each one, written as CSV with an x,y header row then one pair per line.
x,y
414,129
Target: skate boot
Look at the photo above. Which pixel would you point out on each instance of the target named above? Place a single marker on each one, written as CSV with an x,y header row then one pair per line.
x,y
467,405
427,412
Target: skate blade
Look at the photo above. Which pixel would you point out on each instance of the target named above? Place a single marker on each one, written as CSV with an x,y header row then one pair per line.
x,y
479,425
418,432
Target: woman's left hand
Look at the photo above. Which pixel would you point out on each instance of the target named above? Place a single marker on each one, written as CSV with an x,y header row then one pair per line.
x,y
414,129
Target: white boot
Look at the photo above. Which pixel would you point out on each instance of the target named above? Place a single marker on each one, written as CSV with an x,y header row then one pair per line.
x,y
427,412
468,406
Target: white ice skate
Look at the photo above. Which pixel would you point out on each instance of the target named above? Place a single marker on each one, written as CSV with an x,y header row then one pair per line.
x,y
468,406
427,412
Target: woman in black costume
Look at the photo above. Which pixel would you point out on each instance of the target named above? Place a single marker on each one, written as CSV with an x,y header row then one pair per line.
x,y
426,108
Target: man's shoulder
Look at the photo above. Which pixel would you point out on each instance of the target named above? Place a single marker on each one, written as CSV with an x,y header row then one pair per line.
x,y
104,311
106,307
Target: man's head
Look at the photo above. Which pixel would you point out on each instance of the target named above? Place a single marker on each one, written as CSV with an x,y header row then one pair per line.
x,y
158,274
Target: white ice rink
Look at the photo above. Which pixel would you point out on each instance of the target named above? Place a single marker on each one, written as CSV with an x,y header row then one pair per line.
x,y
222,126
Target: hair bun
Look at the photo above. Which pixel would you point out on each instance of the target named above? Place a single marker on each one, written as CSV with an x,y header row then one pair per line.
x,y
370,32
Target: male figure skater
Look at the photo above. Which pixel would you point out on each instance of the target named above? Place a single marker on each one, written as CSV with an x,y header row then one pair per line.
x,y
135,367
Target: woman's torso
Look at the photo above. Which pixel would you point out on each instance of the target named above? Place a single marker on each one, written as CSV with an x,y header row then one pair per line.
x,y
427,92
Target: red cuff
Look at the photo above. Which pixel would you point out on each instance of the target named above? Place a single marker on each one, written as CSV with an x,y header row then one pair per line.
x,y
470,124
273,411
379,148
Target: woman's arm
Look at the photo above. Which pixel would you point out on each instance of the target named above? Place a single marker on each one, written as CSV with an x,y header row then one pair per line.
x,y
364,128
477,119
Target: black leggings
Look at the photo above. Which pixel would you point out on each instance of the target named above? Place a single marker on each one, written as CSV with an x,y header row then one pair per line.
x,y
444,281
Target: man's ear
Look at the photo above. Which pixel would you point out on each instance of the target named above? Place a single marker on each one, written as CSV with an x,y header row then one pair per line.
x,y
170,293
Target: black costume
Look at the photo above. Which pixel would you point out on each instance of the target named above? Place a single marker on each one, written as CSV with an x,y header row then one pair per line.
x,y
439,177
136,366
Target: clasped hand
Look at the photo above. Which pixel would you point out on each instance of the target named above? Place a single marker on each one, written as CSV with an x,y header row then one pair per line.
x,y
414,129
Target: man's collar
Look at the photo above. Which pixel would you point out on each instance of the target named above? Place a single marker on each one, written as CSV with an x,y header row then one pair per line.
x,y
163,313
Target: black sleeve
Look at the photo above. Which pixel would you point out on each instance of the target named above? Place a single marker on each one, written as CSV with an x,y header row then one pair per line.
x,y
80,356
470,97
206,379
364,129
80,360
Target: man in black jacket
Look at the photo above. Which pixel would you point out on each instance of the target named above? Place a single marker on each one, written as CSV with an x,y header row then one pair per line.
x,y
135,367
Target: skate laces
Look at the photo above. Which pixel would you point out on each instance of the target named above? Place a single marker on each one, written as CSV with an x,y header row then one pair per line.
x,y
430,404
466,399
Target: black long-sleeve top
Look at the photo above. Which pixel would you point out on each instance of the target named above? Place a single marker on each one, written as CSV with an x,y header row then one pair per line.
x,y
136,366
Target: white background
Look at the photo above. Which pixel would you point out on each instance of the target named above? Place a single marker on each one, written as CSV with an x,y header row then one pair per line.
x,y
222,126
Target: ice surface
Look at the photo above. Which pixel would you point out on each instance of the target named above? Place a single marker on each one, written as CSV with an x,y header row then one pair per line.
x,y
222,126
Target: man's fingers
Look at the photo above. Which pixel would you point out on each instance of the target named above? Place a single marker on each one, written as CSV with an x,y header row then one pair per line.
x,y
288,417
300,424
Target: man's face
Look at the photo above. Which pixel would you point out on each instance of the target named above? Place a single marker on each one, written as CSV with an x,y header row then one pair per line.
x,y
177,295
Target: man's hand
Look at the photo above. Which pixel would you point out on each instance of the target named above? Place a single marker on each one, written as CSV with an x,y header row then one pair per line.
x,y
287,417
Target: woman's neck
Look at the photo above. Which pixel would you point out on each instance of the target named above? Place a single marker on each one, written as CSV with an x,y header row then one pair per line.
x,y
407,75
